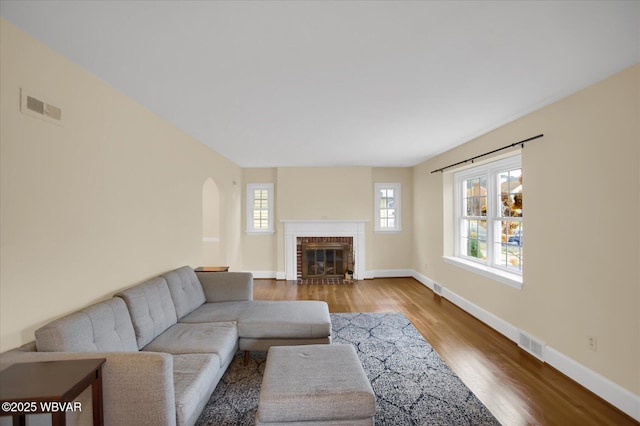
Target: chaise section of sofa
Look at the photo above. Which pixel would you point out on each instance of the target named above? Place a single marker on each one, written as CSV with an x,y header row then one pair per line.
x,y
228,296
205,297
284,323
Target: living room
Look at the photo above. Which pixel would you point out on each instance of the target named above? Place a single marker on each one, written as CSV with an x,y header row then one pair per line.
x,y
113,195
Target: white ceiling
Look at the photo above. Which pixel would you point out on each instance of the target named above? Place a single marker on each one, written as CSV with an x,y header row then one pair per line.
x,y
373,83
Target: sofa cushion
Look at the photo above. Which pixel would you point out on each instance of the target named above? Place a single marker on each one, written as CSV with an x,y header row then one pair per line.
x,y
194,377
300,319
103,327
220,338
151,308
220,311
186,290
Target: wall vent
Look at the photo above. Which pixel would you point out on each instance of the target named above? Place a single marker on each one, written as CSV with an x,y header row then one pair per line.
x,y
37,108
533,346
437,289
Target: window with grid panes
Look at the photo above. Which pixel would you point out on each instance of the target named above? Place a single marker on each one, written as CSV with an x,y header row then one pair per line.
x,y
489,215
260,208
387,207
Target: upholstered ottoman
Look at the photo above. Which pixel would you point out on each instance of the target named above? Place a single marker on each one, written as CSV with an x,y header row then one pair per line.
x,y
315,385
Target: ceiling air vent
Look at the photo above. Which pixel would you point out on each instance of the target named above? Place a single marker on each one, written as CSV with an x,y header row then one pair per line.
x,y
37,108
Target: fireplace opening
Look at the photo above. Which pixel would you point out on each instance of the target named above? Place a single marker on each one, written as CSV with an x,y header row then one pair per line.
x,y
324,260
349,232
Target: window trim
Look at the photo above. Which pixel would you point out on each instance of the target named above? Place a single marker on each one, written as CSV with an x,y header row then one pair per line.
x,y
486,267
251,187
397,188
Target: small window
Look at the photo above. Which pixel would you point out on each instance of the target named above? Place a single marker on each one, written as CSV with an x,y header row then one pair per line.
x,y
387,207
260,208
489,215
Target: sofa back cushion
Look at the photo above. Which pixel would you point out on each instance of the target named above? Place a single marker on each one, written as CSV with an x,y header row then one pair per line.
x,y
103,327
186,290
151,308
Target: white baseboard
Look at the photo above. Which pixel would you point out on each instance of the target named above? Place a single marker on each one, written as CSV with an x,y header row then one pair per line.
x,y
497,323
623,399
389,273
264,274
616,395
423,279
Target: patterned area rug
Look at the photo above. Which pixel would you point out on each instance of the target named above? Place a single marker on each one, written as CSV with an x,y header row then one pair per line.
x,y
413,386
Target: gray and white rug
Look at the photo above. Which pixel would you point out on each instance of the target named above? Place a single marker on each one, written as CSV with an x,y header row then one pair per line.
x,y
413,386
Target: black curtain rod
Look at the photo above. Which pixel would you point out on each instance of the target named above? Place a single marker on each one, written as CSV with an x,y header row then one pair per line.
x,y
490,152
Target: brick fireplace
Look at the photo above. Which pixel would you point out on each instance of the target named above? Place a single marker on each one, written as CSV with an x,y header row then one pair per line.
x,y
332,233
324,257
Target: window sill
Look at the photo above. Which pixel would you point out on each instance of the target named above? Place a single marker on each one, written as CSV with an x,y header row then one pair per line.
x,y
268,232
512,280
387,231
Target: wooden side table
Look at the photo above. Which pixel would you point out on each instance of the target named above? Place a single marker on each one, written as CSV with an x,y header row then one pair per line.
x,y
212,269
50,387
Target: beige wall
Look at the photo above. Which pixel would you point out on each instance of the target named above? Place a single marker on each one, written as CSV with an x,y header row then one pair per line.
x,y
331,193
112,197
582,186
325,193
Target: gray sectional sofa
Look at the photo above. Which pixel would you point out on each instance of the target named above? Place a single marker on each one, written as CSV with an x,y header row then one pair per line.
x,y
169,340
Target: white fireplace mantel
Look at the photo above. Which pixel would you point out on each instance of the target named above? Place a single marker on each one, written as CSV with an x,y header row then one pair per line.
x,y
323,228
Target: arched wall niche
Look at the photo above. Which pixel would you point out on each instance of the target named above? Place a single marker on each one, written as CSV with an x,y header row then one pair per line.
x,y
211,238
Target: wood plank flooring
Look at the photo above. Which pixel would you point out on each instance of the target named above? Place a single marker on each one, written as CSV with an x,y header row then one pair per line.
x,y
517,388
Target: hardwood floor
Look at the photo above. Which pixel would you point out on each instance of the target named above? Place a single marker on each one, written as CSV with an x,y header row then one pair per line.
x,y
516,387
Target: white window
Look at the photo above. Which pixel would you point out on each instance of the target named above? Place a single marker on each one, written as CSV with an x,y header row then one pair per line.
x,y
489,217
387,207
260,208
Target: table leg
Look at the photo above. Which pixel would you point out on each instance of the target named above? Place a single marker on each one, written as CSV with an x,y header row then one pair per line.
x,y
19,420
58,418
96,398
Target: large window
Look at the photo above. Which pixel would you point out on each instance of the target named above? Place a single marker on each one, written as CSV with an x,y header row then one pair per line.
x,y
489,215
260,208
387,207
